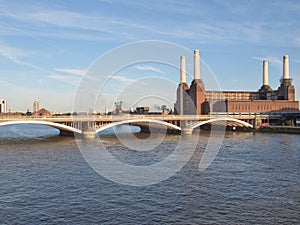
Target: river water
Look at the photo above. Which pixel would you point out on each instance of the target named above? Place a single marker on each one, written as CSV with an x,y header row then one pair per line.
x,y
255,179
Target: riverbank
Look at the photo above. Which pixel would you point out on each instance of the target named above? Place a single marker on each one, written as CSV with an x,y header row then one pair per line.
x,y
280,129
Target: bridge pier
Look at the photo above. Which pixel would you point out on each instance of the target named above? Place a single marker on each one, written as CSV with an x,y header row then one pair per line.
x,y
89,134
187,131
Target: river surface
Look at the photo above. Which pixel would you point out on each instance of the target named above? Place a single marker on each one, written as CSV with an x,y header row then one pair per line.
x,y
44,179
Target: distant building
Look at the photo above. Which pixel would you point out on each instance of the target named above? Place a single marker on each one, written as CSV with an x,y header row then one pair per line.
x,y
3,106
28,113
40,112
165,110
145,110
141,110
43,112
36,107
195,100
118,110
118,107
106,110
37,111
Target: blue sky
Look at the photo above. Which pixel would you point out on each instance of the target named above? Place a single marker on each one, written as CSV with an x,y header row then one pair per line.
x,y
47,46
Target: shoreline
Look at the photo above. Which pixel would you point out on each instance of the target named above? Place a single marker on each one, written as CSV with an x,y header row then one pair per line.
x,y
279,129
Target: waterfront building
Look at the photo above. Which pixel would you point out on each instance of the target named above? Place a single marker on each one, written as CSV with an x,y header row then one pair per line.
x,y
194,99
3,106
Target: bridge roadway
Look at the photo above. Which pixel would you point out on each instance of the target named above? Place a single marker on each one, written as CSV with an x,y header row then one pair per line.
x,y
90,125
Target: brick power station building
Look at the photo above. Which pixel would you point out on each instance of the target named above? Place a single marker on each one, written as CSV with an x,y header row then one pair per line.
x,y
194,99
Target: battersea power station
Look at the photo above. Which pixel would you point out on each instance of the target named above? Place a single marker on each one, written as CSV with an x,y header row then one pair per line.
x,y
194,99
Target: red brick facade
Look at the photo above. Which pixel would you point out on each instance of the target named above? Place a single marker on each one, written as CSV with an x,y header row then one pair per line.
x,y
195,100
262,106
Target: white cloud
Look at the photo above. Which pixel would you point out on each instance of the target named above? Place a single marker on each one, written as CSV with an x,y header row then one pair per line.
x,y
71,71
66,79
178,7
49,21
271,59
17,55
13,53
149,68
123,79
88,26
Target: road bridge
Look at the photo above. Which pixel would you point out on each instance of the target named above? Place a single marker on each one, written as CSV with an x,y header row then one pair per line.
x,y
89,125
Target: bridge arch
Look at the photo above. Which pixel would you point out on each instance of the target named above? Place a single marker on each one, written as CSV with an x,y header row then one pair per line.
x,y
200,123
136,122
58,126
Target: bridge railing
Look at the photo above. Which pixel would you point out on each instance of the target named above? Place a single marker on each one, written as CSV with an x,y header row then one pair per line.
x,y
127,117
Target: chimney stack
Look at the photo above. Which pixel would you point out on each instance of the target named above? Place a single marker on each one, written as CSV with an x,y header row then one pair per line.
x,y
286,73
182,70
196,65
265,73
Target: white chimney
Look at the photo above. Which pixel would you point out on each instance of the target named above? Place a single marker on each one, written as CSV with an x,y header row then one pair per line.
x,y
265,73
196,65
286,73
182,70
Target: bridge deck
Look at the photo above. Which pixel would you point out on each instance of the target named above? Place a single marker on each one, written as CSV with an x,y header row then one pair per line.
x,y
58,119
81,124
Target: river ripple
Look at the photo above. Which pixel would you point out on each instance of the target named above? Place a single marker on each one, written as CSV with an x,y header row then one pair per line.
x,y
253,180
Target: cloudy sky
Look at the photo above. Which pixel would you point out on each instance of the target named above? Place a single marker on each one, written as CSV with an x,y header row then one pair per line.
x,y
47,47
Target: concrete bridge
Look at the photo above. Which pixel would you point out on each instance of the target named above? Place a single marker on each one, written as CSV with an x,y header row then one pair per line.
x,y
88,126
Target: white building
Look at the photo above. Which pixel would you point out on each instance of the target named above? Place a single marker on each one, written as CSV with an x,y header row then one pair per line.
x,y
3,106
